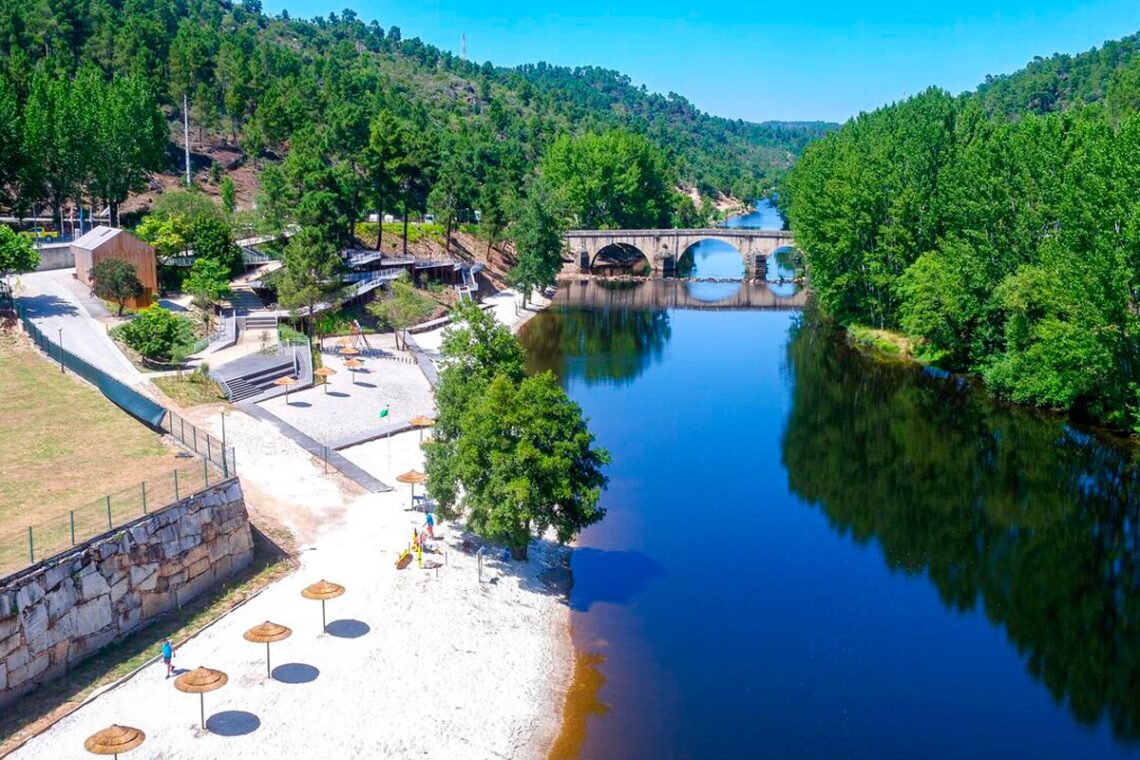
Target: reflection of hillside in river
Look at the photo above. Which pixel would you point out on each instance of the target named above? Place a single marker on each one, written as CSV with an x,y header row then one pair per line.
x,y
607,345
1037,522
678,294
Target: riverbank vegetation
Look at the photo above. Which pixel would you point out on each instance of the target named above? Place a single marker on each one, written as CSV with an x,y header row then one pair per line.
x,y
512,453
1010,249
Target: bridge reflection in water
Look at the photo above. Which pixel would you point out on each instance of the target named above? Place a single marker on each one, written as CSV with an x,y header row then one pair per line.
x,y
679,294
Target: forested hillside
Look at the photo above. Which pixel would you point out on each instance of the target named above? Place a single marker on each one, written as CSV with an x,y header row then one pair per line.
x,y
263,85
1109,74
1007,247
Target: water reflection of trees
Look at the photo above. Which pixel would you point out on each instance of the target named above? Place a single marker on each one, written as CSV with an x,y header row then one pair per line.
x,y
1036,522
598,345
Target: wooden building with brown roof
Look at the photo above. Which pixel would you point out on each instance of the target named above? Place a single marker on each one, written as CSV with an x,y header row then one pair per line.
x,y
113,243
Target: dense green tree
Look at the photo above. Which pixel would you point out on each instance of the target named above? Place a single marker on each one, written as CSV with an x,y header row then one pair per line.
x,y
611,180
525,463
57,122
209,281
383,157
312,273
211,238
17,253
157,333
115,280
228,194
538,243
402,307
128,140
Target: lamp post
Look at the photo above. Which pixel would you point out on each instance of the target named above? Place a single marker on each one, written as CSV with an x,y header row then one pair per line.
x,y
61,351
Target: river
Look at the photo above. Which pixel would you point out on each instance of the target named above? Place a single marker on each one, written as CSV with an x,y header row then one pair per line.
x,y
811,554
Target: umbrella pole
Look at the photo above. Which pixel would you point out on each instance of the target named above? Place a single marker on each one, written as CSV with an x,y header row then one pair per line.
x,y
324,625
268,668
202,703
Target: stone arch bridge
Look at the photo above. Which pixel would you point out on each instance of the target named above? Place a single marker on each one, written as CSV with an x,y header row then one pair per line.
x,y
664,248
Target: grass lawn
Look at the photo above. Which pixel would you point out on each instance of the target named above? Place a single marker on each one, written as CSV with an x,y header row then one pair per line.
x,y
191,389
64,447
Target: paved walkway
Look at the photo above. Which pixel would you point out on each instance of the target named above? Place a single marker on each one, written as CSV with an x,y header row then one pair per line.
x,y
335,460
55,300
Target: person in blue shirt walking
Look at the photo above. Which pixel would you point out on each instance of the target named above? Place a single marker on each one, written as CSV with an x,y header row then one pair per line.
x,y
168,655
431,525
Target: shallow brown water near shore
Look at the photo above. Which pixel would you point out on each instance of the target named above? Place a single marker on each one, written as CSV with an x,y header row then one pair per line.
x,y
582,702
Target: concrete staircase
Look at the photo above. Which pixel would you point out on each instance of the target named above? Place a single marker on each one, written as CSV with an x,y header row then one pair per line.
x,y
244,300
253,375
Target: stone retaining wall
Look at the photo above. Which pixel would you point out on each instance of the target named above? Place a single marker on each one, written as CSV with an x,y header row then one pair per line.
x,y
59,612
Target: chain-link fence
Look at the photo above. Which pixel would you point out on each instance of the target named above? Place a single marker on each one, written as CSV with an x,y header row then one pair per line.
x,y
26,542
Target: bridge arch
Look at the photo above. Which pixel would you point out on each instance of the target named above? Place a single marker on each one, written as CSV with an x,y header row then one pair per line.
x,y
722,259
623,257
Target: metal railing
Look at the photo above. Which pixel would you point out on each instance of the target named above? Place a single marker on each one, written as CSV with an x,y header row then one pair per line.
x,y
29,540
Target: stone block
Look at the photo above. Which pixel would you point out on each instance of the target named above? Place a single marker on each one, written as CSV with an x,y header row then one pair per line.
x,y
9,626
3,679
17,658
93,616
62,599
28,594
53,576
35,624
9,644
7,605
30,670
141,573
129,620
62,629
199,567
195,586
84,646
119,588
155,603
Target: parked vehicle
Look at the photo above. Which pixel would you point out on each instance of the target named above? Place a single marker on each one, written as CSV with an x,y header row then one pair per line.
x,y
44,234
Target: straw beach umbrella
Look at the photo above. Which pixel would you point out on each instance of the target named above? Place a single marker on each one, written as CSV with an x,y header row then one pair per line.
x,y
353,365
113,740
350,351
286,382
411,477
421,422
323,590
326,373
267,633
199,681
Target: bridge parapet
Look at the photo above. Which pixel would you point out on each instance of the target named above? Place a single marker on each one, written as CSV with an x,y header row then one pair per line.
x,y
663,248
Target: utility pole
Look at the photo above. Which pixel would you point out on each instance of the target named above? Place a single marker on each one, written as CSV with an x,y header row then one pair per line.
x,y
186,134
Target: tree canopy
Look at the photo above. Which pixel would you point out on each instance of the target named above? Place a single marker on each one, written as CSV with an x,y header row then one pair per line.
x,y
1009,249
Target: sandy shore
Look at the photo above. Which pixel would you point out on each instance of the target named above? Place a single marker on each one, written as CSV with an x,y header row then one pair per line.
x,y
427,662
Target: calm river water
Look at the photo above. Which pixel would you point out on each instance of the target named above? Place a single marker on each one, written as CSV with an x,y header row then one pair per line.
x,y
808,554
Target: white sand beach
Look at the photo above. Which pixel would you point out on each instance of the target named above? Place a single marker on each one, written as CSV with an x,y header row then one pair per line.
x,y
425,663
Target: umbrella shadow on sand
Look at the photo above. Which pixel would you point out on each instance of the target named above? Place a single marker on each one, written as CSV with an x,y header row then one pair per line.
x,y
233,723
295,672
347,629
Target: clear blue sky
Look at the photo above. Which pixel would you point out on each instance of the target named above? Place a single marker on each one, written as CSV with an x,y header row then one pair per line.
x,y
803,59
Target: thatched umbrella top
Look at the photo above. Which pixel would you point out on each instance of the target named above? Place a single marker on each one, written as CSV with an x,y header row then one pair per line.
x,y
345,341
323,590
324,371
421,421
285,381
412,476
353,363
267,633
113,740
201,680
349,351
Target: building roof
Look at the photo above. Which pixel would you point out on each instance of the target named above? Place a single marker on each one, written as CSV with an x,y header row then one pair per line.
x,y
96,237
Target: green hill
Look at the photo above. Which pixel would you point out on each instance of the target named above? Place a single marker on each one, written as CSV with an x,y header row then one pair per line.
x,y
254,82
1108,74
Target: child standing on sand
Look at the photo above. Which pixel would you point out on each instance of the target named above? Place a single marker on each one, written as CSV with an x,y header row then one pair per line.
x,y
431,525
168,655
